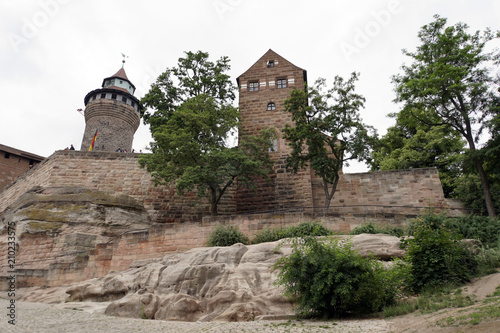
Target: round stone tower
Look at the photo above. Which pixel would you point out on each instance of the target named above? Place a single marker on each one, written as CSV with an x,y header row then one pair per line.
x,y
113,113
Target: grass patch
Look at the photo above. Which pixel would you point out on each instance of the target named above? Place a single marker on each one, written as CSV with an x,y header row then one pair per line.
x,y
430,301
486,312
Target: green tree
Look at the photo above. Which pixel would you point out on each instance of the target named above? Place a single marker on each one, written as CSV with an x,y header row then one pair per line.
x,y
192,120
327,132
449,77
413,144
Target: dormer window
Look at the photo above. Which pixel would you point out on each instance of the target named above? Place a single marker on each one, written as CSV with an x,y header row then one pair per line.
x,y
281,83
253,86
271,106
270,63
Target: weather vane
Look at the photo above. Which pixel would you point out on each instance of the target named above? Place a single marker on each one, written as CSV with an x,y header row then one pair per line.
x,y
123,61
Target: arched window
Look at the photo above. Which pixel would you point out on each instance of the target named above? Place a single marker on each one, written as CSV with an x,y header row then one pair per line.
x,y
271,106
274,147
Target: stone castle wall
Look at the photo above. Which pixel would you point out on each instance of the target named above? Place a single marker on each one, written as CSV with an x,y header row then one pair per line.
x,y
55,253
401,191
116,173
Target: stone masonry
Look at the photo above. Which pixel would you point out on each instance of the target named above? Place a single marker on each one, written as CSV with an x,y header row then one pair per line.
x,y
263,89
14,163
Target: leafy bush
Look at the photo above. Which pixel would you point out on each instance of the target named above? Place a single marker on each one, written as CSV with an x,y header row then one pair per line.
x,y
436,255
269,235
488,261
368,228
330,279
483,228
226,235
313,228
371,228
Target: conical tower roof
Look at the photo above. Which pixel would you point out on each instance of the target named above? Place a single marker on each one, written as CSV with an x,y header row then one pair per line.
x,y
121,74
117,81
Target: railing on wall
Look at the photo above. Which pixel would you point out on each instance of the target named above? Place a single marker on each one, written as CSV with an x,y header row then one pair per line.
x,y
366,210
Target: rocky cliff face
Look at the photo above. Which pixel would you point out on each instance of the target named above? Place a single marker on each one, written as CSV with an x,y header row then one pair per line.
x,y
43,210
60,225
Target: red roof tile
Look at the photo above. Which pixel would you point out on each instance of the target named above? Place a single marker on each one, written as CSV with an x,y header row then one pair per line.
x,y
121,74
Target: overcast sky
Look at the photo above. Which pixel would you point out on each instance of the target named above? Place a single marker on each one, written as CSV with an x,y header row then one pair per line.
x,y
53,52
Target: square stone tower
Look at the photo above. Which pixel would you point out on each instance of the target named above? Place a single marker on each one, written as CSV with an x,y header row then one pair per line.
x,y
263,88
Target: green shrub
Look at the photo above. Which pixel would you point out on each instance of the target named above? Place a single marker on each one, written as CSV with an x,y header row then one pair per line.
x,y
436,255
329,279
226,235
368,228
269,235
304,229
313,228
371,228
488,260
483,228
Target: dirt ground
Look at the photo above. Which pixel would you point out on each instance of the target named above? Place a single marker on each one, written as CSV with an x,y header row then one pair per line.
x,y
479,289
89,317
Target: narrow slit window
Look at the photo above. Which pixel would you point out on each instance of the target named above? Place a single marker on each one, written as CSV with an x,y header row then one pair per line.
x,y
274,147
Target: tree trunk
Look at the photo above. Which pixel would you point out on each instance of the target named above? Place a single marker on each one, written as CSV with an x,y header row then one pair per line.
x,y
328,194
214,202
484,179
486,190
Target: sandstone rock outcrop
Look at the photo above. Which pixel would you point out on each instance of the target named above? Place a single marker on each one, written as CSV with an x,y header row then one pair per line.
x,y
43,210
56,228
220,283
233,283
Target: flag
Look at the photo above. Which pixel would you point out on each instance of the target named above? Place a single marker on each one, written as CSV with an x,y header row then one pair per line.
x,y
91,148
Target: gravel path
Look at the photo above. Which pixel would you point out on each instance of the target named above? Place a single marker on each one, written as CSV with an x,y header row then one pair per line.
x,y
45,318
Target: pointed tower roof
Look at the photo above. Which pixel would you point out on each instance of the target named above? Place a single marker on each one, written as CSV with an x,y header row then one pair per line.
x,y
121,74
119,81
275,58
